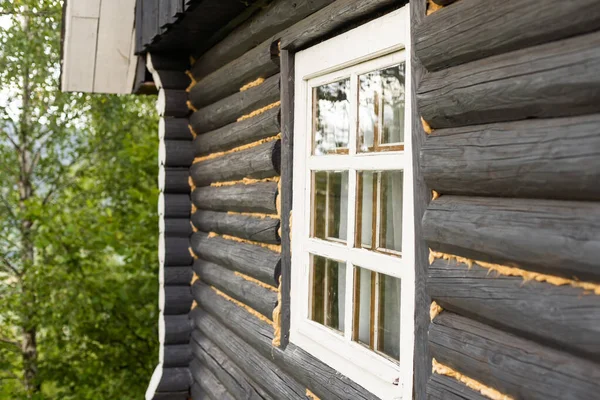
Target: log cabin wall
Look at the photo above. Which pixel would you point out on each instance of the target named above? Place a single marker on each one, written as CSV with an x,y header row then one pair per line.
x,y
510,93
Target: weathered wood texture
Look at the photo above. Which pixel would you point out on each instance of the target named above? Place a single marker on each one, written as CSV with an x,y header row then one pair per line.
x,y
227,372
178,275
172,205
279,15
174,129
257,197
322,380
177,355
441,387
421,193
250,293
271,378
181,395
260,62
172,103
180,227
209,382
330,19
177,329
238,133
177,251
444,2
258,229
262,161
555,237
475,29
252,260
197,393
174,180
178,300
554,315
227,110
176,153
550,80
174,380
510,364
549,158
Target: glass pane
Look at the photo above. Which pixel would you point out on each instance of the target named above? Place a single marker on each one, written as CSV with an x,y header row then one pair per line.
x,y
365,208
390,233
331,117
381,108
328,292
388,327
330,205
363,284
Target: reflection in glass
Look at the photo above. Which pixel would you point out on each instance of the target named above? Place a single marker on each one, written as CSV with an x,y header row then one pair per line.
x,y
388,325
327,302
390,233
362,302
381,108
330,205
331,117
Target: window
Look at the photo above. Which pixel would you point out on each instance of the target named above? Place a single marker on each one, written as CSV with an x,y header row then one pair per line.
x,y
352,298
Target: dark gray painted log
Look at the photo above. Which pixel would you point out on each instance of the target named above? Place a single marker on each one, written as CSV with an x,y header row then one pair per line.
x,y
177,129
180,227
198,393
257,197
561,316
174,380
422,196
262,161
243,226
475,29
177,251
178,329
270,377
322,380
550,158
178,300
228,373
328,20
178,153
555,237
227,110
174,103
443,2
182,395
442,387
238,133
175,205
260,62
510,364
178,276
170,62
173,79
176,180
551,80
209,382
177,355
253,295
255,261
273,19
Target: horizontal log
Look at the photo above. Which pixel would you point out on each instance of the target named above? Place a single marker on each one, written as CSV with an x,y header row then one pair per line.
x,y
169,62
171,79
260,62
227,110
255,261
262,161
177,300
174,205
209,382
237,134
444,2
175,153
173,180
177,275
177,355
227,372
560,316
243,226
273,19
181,395
175,329
512,365
328,20
174,380
180,227
170,128
198,393
550,236
322,380
257,198
475,29
441,387
271,378
548,158
174,251
550,80
250,293
172,103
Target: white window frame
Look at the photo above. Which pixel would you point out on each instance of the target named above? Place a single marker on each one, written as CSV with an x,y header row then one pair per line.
x,y
380,43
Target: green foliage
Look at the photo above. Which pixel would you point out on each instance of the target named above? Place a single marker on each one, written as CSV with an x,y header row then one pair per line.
x,y
77,223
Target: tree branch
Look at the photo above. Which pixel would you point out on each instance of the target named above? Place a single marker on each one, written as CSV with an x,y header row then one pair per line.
x,y
11,342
